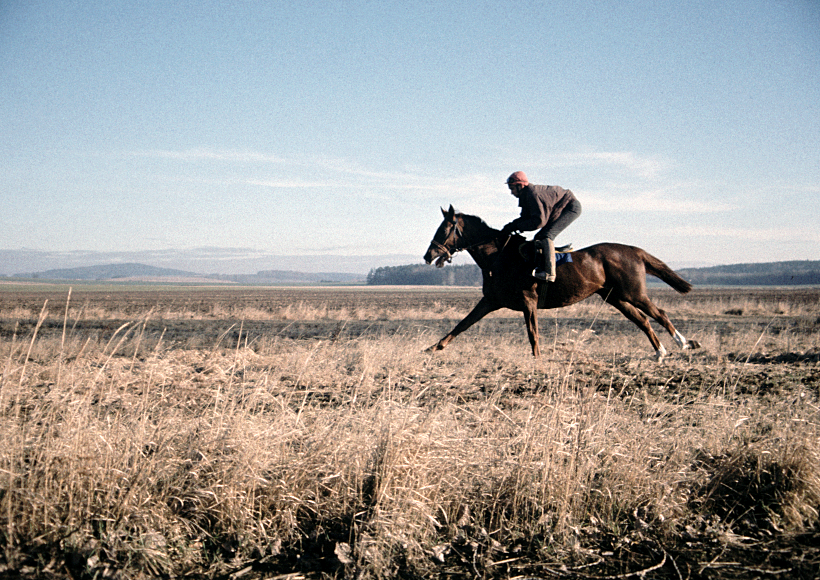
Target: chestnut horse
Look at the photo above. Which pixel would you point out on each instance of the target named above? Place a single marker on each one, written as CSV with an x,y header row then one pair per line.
x,y
617,273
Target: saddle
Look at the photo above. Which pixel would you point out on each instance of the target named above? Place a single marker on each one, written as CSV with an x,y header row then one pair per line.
x,y
562,253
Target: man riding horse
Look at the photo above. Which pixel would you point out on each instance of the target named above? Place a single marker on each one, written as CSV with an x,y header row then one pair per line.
x,y
615,272
548,207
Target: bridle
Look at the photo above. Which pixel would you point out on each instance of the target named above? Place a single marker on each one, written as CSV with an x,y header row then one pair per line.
x,y
445,249
456,249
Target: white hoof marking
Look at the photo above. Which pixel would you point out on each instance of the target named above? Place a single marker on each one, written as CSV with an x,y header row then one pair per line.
x,y
660,353
682,342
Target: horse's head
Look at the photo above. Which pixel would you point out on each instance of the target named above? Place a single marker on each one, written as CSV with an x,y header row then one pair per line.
x,y
445,242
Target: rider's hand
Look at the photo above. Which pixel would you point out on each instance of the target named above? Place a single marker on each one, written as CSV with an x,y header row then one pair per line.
x,y
507,230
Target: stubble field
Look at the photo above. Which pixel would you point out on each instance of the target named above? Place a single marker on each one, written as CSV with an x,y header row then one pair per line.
x,y
304,433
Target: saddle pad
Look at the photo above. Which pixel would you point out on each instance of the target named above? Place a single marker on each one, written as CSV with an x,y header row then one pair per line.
x,y
562,258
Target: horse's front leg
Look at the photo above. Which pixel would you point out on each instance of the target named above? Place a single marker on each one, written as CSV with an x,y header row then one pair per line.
x,y
531,320
479,311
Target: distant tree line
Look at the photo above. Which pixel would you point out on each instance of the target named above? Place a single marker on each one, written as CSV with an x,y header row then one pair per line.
x,y
789,273
423,275
792,273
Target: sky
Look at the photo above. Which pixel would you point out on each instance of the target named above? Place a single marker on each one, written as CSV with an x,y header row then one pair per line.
x,y
691,129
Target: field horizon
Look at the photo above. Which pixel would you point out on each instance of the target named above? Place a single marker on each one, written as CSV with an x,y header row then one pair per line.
x,y
382,270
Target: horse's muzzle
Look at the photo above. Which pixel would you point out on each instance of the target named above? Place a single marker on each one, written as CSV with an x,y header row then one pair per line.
x,y
433,254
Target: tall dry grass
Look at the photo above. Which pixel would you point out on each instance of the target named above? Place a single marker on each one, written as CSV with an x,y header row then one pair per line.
x,y
365,456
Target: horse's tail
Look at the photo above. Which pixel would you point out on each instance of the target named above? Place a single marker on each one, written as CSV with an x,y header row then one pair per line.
x,y
660,270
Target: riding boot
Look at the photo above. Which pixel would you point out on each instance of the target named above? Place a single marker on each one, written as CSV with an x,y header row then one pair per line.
x,y
550,251
541,271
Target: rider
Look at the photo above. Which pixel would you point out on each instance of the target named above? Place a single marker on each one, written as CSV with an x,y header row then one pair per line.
x,y
548,207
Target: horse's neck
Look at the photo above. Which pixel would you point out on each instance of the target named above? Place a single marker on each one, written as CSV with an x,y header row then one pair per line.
x,y
481,241
482,257
484,254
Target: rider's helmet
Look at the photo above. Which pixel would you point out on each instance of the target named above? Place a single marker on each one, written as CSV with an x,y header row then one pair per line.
x,y
519,177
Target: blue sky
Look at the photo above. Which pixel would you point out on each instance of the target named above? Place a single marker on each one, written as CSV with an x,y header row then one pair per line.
x,y
690,129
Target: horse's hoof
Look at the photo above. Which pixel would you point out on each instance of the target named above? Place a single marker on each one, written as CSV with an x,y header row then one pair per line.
x,y
693,344
660,354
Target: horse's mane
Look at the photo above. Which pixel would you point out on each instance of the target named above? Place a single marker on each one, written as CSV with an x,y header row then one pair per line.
x,y
475,218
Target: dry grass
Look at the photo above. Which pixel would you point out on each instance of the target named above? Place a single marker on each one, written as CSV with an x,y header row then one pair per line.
x,y
371,303
358,455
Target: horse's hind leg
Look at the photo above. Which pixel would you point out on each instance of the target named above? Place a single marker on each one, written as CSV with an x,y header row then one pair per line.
x,y
658,314
641,321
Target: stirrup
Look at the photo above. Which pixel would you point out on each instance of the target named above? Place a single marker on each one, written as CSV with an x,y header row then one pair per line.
x,y
542,275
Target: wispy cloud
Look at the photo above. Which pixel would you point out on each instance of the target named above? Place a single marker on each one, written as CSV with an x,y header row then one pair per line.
x,y
333,166
658,200
793,235
618,195
646,167
286,184
348,167
201,154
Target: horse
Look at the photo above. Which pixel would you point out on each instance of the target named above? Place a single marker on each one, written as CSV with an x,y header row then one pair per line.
x,y
616,272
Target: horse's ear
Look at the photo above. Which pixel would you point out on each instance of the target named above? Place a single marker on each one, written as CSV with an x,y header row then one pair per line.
x,y
449,214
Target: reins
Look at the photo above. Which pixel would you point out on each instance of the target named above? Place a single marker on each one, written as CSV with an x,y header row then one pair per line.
x,y
456,249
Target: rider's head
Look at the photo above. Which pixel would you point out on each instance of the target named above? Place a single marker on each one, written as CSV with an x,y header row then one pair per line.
x,y
516,181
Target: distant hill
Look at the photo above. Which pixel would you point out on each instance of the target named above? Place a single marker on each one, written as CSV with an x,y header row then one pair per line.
x,y
805,272
110,272
794,273
226,261
291,277
136,272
